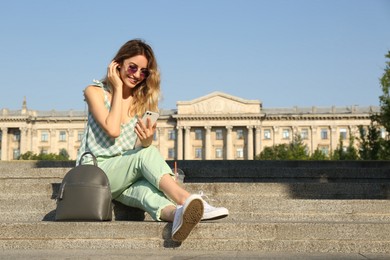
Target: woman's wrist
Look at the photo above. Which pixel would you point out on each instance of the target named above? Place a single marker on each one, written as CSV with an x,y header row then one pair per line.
x,y
147,142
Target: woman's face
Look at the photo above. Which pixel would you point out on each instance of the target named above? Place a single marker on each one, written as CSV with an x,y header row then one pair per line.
x,y
134,70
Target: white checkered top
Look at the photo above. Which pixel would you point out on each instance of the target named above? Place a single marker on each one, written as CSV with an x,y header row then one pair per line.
x,y
99,143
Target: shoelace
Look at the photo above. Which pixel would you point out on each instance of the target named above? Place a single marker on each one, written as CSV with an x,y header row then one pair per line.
x,y
203,195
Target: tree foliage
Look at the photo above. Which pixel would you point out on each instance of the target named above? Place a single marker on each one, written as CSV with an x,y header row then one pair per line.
x,y
370,142
384,100
372,145
62,156
343,153
295,150
318,155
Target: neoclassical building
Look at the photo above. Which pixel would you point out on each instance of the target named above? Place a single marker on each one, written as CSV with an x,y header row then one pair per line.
x,y
217,126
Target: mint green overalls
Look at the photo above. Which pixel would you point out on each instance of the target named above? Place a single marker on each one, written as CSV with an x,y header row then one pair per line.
x,y
134,174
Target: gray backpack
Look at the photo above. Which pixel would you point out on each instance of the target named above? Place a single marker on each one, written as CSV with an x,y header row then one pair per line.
x,y
84,194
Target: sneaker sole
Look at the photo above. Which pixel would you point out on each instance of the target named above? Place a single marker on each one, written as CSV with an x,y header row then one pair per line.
x,y
215,218
191,216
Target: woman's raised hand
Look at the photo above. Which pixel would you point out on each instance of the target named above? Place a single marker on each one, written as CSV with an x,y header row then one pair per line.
x,y
113,75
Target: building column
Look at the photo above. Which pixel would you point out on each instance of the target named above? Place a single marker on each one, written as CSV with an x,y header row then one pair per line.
x,y
275,130
229,143
34,141
179,155
53,147
334,139
250,142
187,143
311,139
208,143
29,146
257,140
313,132
23,140
4,143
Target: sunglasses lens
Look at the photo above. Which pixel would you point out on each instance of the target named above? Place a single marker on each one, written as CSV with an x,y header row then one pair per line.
x,y
133,69
145,73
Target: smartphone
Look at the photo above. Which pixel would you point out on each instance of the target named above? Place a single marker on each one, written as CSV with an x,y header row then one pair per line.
x,y
153,118
152,115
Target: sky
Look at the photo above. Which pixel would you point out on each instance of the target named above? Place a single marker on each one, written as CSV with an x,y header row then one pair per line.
x,y
283,53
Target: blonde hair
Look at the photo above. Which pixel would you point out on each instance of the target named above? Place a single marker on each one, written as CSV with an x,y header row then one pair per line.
x,y
147,93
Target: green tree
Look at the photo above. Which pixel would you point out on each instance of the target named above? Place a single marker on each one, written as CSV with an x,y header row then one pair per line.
x,y
28,156
384,100
346,153
276,152
63,156
352,152
383,118
297,149
318,155
370,142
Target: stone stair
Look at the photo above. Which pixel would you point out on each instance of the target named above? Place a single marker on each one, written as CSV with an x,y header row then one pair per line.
x,y
311,209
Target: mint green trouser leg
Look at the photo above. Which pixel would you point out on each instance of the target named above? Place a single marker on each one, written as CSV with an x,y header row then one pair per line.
x,y
135,177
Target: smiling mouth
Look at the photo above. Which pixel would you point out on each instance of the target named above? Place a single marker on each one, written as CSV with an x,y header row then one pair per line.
x,y
133,80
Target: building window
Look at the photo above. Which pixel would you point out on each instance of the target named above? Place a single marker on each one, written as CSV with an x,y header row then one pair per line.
x,y
171,153
44,136
324,133
155,136
198,153
198,134
343,133
286,134
62,137
240,134
324,150
16,154
267,134
171,135
305,134
240,152
218,153
16,136
80,135
218,134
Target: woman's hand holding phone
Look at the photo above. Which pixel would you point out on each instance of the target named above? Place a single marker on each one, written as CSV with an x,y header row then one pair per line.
x,y
145,128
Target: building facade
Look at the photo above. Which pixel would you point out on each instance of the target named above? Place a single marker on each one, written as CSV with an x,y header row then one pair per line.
x,y
217,126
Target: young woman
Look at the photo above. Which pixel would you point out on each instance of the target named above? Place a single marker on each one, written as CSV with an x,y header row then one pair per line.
x,y
139,176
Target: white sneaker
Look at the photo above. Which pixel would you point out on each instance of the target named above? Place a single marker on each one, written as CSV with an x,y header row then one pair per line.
x,y
213,213
186,217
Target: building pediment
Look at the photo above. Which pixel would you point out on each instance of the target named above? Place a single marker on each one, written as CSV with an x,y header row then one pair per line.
x,y
218,103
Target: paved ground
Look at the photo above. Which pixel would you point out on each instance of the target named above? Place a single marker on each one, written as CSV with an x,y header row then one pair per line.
x,y
173,254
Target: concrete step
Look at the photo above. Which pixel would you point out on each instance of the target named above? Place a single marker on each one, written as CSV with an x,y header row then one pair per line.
x,y
237,204
274,207
41,207
172,253
240,236
49,185
251,170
